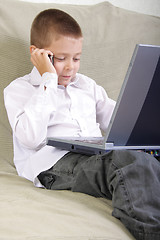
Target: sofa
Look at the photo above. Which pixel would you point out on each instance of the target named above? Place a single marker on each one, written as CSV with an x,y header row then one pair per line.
x,y
110,35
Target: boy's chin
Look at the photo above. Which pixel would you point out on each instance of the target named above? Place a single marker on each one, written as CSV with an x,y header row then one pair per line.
x,y
64,81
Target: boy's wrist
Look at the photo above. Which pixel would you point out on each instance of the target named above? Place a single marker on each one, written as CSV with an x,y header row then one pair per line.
x,y
47,70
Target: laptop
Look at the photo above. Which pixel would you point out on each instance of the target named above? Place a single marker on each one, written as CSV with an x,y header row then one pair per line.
x,y
135,122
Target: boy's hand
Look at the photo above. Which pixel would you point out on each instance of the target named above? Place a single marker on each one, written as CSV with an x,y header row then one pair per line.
x,y
40,59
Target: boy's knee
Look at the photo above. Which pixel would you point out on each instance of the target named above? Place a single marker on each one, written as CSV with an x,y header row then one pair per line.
x,y
122,158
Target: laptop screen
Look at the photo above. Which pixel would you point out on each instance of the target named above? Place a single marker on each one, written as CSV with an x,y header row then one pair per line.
x,y
147,126
136,118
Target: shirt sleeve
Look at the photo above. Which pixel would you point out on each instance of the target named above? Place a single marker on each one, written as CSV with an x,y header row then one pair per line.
x,y
29,108
104,108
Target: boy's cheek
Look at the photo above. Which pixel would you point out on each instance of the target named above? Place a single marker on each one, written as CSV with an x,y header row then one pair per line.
x,y
58,66
58,69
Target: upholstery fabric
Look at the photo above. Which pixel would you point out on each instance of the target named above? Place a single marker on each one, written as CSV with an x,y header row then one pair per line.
x,y
110,36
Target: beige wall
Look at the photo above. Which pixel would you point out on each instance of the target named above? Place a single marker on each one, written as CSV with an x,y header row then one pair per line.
x,y
151,7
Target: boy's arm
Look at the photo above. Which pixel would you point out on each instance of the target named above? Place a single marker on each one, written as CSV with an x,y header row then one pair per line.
x,y
104,108
29,109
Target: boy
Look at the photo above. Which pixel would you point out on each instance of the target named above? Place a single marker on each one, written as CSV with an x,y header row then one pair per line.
x,y
55,100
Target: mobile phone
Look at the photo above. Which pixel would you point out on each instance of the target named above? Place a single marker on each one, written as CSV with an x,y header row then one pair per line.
x,y
51,57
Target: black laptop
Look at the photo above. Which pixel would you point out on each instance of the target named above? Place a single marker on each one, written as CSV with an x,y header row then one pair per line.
x,y
135,122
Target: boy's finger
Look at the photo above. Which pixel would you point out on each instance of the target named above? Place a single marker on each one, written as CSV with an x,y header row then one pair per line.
x,y
44,52
35,50
49,52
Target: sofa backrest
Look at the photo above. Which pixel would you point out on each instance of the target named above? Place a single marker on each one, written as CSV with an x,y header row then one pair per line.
x,y
110,36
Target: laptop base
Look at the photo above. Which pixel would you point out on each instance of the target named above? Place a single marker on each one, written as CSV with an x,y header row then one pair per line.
x,y
88,150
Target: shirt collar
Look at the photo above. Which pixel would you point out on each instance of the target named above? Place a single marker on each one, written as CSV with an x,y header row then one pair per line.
x,y
77,81
80,81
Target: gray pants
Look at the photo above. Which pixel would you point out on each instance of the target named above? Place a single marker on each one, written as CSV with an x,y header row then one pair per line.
x,y
130,178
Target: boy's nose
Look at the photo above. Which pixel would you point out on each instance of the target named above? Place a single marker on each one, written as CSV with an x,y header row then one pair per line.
x,y
69,65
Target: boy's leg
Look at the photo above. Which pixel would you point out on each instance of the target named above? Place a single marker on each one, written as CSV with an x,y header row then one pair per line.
x,y
130,178
78,173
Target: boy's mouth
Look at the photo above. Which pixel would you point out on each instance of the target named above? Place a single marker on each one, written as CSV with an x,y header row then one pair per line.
x,y
67,77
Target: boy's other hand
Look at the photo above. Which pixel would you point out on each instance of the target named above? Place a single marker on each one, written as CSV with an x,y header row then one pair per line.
x,y
40,59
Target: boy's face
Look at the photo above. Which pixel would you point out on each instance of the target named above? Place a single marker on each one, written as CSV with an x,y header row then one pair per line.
x,y
67,52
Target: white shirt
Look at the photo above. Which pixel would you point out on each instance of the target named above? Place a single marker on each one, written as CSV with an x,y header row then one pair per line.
x,y
80,109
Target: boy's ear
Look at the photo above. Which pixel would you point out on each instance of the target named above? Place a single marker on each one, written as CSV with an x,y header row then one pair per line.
x,y
32,48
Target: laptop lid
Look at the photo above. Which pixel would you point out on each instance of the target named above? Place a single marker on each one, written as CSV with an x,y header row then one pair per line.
x,y
135,120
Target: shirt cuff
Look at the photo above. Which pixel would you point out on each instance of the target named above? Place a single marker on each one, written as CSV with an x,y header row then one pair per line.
x,y
49,80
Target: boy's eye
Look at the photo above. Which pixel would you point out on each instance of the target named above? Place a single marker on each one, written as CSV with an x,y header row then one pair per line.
x,y
59,59
76,59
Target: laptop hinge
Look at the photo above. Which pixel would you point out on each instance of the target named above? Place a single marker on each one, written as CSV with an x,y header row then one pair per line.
x,y
109,145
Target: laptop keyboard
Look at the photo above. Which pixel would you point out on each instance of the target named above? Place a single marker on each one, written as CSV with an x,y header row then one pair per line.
x,y
96,140
154,153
